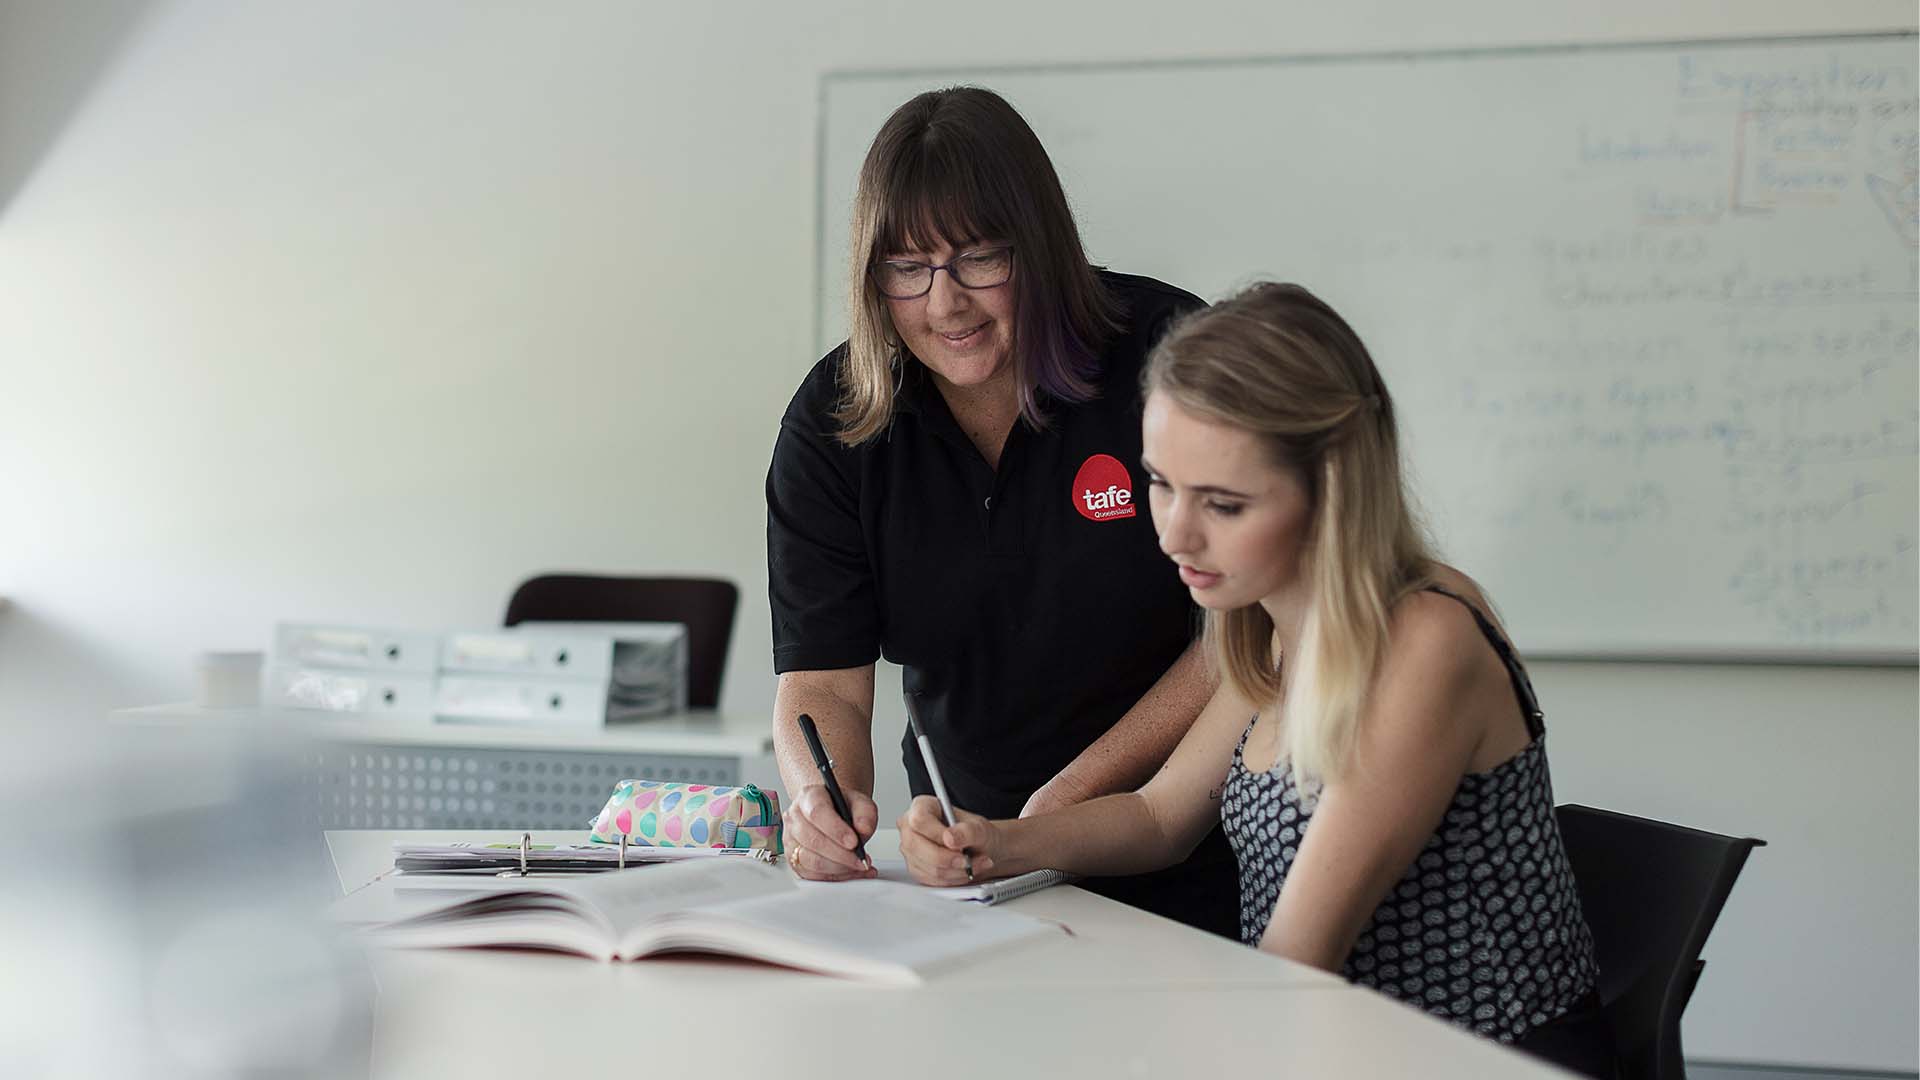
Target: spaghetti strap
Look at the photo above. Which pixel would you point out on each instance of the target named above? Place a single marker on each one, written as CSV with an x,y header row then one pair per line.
x,y
1522,686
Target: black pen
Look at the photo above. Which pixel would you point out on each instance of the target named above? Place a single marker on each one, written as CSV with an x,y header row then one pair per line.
x,y
825,765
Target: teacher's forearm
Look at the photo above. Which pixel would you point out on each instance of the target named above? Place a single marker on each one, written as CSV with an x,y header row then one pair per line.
x,y
1133,749
841,704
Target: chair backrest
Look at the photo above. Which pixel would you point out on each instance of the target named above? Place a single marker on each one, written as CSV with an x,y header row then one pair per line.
x,y
706,605
1651,892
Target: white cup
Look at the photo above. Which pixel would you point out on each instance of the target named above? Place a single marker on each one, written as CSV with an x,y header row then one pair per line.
x,y
227,680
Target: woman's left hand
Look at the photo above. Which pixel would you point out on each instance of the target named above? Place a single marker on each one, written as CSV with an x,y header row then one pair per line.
x,y
937,854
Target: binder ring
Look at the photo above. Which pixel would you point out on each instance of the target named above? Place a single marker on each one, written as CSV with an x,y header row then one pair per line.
x,y
526,845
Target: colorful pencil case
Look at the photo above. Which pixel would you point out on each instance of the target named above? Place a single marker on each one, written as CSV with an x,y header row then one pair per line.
x,y
659,813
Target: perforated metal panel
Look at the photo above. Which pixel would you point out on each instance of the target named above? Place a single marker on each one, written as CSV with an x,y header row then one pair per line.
x,y
363,786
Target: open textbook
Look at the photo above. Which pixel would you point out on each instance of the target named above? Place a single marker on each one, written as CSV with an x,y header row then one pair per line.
x,y
877,930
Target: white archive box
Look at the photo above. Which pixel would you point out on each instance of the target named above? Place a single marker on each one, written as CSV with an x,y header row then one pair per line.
x,y
546,703
354,648
374,692
638,670
531,650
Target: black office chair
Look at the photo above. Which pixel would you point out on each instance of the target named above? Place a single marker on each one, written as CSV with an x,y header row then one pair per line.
x,y
706,605
1651,891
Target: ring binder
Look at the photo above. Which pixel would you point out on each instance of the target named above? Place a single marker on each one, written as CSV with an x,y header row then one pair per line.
x,y
526,859
526,845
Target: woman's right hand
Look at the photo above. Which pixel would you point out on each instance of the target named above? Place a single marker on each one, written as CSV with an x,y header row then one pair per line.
x,y
939,854
819,844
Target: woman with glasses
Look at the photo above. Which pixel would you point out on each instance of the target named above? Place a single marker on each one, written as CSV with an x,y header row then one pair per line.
x,y
1375,751
957,488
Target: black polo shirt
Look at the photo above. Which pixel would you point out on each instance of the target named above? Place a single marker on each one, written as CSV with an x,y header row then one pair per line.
x,y
1030,606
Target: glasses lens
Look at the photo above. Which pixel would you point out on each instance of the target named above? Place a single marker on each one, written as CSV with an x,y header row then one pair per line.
x,y
902,280
983,269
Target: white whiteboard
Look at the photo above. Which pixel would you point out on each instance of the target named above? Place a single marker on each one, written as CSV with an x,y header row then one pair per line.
x,y
1648,312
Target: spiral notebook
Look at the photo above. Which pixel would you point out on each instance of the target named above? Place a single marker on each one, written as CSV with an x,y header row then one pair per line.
x,y
987,893
993,892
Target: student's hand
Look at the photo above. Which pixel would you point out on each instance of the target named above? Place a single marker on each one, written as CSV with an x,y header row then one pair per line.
x,y
1056,794
818,843
937,854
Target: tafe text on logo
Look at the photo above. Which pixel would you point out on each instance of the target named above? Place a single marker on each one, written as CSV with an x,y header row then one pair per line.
x,y
1102,490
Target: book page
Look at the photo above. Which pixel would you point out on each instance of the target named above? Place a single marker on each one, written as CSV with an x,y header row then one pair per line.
x,y
580,914
526,918
874,929
627,898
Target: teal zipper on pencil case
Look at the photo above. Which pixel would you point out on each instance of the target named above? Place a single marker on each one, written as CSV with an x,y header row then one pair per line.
x,y
753,792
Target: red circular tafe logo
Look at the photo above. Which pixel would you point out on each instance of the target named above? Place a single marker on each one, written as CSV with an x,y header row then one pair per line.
x,y
1102,490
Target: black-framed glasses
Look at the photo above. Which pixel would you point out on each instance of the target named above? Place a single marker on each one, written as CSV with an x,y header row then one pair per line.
x,y
982,268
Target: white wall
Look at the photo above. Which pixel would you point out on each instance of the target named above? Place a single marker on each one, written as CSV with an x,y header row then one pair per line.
x,y
365,311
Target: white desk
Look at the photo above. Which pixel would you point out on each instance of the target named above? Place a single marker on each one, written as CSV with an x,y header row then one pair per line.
x,y
390,772
1129,994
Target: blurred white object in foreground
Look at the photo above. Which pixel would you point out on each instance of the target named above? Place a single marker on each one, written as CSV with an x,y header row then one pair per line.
x,y
160,906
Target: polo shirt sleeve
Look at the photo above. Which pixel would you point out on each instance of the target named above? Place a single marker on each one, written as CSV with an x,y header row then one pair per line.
x,y
819,578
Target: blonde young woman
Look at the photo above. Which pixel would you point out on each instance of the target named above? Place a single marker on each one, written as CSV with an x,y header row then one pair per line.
x,y
1389,800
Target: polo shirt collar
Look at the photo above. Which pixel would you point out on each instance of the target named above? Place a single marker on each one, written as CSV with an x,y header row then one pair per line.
x,y
916,394
919,398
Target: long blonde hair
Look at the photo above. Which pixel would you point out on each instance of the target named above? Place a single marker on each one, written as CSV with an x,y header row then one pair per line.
x,y
1278,362
960,165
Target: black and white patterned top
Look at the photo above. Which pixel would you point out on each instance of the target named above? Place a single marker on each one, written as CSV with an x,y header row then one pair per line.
x,y
1485,929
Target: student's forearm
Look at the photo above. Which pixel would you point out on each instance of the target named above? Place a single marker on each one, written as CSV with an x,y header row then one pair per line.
x,y
1314,950
1116,834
